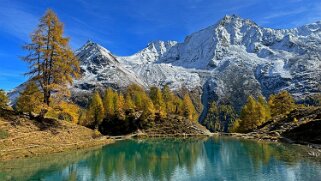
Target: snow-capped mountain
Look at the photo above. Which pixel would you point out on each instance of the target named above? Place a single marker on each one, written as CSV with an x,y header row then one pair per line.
x,y
228,61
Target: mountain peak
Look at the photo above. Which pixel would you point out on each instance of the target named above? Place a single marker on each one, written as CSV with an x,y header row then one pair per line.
x,y
92,52
236,20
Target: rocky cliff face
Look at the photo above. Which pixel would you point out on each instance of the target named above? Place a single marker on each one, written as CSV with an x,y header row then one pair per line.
x,y
228,61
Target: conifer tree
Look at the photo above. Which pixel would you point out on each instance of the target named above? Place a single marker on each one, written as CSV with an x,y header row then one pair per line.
x,y
254,113
148,108
68,111
212,117
227,116
235,126
264,108
96,110
169,99
109,103
178,105
189,109
220,117
30,100
249,115
129,104
137,94
3,100
52,62
156,96
119,106
281,103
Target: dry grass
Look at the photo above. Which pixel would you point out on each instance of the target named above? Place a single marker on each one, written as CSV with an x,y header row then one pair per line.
x,y
30,138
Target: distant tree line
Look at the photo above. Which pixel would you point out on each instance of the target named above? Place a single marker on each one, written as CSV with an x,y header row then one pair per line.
x,y
255,112
135,108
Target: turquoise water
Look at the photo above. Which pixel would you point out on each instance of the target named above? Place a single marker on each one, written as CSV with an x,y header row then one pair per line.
x,y
219,158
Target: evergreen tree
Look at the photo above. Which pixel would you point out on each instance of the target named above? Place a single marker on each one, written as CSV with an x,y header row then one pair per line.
x,y
281,103
156,96
30,100
212,117
52,62
96,110
109,103
227,116
4,101
220,117
189,109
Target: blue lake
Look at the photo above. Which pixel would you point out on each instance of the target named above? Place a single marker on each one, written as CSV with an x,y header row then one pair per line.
x,y
217,158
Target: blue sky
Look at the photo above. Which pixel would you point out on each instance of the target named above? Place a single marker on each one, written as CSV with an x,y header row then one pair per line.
x,y
126,26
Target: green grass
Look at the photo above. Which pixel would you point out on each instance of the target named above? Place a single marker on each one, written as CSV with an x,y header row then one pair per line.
x,y
3,134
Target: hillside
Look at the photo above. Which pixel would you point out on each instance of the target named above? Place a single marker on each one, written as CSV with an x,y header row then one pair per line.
x,y
300,126
22,137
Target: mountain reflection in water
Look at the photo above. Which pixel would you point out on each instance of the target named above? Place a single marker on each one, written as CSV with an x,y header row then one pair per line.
x,y
217,158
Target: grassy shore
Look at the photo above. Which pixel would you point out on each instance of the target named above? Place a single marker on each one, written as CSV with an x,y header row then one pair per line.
x,y
22,137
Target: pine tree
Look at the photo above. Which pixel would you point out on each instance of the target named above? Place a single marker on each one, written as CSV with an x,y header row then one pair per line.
x,y
52,62
109,103
96,110
30,100
156,96
189,109
281,103
4,101
227,116
212,117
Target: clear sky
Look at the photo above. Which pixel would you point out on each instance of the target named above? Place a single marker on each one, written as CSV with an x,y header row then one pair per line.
x,y
126,26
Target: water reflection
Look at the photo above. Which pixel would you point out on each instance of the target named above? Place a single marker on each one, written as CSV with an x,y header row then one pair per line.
x,y
217,158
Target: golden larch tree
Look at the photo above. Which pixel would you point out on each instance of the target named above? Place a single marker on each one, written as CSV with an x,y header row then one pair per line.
x,y
3,99
109,102
30,99
281,103
189,109
52,63
96,110
156,96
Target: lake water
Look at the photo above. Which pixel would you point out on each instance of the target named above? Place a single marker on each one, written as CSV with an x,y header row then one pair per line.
x,y
218,158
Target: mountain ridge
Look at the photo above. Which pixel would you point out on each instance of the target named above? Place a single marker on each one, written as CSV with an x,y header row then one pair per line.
x,y
227,62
